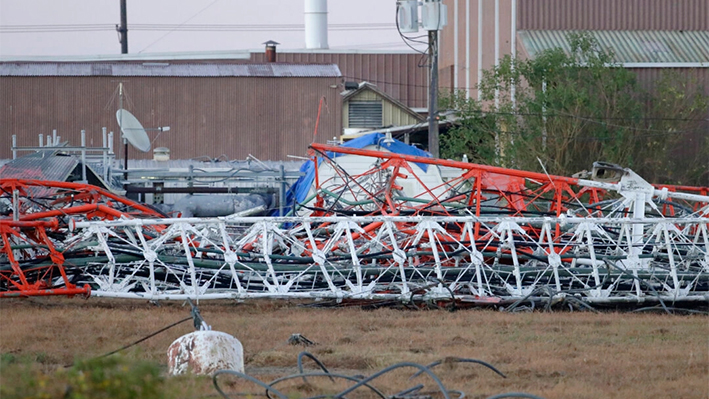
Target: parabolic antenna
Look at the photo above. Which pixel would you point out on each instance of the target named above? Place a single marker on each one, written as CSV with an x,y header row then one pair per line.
x,y
132,130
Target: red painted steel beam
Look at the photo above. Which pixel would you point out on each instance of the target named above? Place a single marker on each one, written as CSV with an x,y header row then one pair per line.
x,y
442,162
84,291
84,188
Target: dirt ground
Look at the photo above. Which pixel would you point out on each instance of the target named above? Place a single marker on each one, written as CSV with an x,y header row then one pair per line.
x,y
553,355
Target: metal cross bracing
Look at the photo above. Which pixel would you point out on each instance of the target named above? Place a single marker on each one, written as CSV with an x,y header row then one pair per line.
x,y
35,252
479,234
408,258
484,190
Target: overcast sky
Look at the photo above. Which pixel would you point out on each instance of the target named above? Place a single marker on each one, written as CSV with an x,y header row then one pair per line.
x,y
86,27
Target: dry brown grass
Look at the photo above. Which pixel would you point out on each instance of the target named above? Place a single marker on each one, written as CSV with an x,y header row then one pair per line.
x,y
555,355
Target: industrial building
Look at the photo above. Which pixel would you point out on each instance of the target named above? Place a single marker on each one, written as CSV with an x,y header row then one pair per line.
x,y
648,36
214,110
226,105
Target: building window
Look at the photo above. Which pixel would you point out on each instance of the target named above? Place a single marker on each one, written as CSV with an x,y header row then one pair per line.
x,y
365,114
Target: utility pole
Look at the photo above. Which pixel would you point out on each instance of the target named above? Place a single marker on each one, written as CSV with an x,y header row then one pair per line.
x,y
123,28
433,94
433,18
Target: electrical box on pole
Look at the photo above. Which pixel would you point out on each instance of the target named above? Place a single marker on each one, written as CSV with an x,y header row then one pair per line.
x,y
433,18
407,15
434,15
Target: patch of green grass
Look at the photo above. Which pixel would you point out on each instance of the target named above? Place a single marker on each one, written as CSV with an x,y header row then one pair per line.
x,y
114,377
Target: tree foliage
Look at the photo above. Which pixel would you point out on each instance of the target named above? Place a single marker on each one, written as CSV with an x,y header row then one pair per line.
x,y
566,110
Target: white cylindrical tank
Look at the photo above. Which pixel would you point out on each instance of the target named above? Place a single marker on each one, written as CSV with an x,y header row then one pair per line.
x,y
316,24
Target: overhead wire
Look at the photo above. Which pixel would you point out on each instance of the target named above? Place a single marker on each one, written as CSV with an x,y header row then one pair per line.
x,y
183,23
405,38
190,27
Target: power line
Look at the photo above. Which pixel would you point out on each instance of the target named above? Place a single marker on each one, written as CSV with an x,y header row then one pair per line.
x,y
405,38
261,27
183,23
55,28
190,27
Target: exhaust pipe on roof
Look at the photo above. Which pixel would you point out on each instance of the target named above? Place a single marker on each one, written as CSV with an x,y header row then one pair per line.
x,y
271,50
316,24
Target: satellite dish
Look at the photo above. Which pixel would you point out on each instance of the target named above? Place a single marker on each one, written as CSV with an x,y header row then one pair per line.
x,y
132,130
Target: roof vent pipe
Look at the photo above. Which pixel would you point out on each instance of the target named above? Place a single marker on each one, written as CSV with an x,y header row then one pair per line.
x,y
316,24
271,50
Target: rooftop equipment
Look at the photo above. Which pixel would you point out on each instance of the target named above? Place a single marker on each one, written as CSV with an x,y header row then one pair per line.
x,y
132,130
316,24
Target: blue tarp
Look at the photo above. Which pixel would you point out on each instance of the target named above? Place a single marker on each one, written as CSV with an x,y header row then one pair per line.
x,y
299,191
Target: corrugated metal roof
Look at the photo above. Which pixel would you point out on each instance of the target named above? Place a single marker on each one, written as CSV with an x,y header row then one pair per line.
x,y
42,165
169,70
145,57
225,55
645,15
630,46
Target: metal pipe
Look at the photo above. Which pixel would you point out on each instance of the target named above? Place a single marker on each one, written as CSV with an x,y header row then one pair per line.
x,y
467,49
83,156
371,219
456,67
480,46
15,205
497,51
282,192
197,190
14,146
433,94
104,155
513,49
64,148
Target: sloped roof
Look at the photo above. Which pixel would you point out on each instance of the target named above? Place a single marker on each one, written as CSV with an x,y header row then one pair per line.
x,y
42,165
52,164
629,47
346,95
168,70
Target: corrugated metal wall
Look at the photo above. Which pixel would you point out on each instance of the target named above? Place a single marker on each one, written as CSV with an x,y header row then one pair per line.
x,y
648,77
467,59
269,118
692,149
613,14
471,58
398,75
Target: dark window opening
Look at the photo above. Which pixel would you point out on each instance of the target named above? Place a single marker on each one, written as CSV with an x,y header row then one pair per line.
x,y
365,114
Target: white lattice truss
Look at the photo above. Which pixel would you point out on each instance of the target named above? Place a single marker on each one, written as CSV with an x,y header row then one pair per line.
x,y
598,260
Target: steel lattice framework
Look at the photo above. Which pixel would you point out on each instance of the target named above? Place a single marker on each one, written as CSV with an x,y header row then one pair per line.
x,y
482,235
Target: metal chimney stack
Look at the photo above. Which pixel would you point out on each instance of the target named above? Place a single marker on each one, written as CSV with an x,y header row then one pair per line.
x,y
271,50
316,24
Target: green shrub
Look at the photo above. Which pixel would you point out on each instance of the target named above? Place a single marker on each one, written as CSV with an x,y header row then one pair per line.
x,y
112,377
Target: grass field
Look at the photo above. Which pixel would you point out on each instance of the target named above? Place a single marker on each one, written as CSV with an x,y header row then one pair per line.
x,y
554,355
